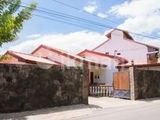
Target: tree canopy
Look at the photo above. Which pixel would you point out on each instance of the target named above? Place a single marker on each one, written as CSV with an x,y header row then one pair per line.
x,y
12,18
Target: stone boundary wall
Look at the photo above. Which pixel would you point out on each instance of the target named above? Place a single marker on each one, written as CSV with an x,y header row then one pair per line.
x,y
29,87
146,83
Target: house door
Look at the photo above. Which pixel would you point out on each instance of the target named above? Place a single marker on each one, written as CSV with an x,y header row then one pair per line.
x,y
91,78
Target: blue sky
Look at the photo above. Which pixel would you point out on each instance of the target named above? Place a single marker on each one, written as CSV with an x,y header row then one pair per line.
x,y
42,26
127,14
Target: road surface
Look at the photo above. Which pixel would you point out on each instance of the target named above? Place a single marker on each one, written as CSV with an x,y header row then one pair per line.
x,y
102,108
145,111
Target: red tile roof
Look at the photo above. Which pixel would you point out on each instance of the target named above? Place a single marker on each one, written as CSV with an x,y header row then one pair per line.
x,y
30,58
71,56
138,65
122,60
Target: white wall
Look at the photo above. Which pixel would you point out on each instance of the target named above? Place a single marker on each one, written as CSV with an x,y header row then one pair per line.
x,y
109,73
128,49
106,75
98,71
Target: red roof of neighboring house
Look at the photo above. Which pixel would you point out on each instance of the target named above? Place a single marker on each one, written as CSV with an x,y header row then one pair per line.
x,y
55,61
138,65
7,62
30,58
66,54
128,37
122,60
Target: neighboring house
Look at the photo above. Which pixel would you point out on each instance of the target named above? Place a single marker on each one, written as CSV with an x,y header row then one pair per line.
x,y
122,44
46,56
105,76
22,58
67,59
63,57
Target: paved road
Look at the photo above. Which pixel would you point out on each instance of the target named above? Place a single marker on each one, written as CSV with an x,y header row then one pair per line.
x,y
145,111
102,108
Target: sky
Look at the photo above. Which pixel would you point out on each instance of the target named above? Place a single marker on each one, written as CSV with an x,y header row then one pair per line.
x,y
136,16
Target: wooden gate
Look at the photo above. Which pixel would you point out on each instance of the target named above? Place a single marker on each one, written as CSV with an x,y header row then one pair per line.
x,y
121,84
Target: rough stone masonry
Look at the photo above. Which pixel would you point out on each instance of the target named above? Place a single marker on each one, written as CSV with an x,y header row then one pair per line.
x,y
147,83
29,87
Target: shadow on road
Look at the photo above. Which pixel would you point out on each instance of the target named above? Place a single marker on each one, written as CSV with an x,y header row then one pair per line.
x,y
23,115
109,102
150,99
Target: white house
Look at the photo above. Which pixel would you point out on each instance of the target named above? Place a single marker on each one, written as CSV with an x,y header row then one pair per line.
x,y
120,48
122,44
104,75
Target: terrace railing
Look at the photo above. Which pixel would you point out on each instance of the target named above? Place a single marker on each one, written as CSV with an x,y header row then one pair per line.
x,y
100,90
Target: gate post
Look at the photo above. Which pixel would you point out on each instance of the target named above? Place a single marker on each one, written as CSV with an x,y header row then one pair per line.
x,y
132,85
85,84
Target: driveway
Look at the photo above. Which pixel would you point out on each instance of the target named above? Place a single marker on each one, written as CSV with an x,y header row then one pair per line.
x,y
144,110
97,107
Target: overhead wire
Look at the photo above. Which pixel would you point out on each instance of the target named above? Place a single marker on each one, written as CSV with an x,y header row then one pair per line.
x,y
76,8
71,17
62,21
60,14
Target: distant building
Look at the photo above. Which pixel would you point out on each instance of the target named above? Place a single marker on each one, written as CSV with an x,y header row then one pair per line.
x,y
120,43
13,57
45,55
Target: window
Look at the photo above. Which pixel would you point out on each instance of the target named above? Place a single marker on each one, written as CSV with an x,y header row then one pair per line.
x,y
118,53
107,53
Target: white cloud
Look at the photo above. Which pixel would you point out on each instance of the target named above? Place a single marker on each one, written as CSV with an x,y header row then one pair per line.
x,y
146,40
34,36
142,16
149,41
102,15
153,42
91,7
72,42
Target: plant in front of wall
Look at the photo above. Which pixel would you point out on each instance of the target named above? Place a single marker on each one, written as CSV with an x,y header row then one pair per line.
x,y
5,57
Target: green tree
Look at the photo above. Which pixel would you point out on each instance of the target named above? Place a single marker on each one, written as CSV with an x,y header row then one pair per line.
x,y
12,18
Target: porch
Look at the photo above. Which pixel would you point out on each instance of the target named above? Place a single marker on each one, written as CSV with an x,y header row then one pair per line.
x,y
98,85
99,90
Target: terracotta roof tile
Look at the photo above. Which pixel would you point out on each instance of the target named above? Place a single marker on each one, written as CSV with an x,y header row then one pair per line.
x,y
71,56
31,58
122,60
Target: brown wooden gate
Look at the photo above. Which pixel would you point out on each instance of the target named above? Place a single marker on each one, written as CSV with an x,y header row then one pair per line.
x,y
121,84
